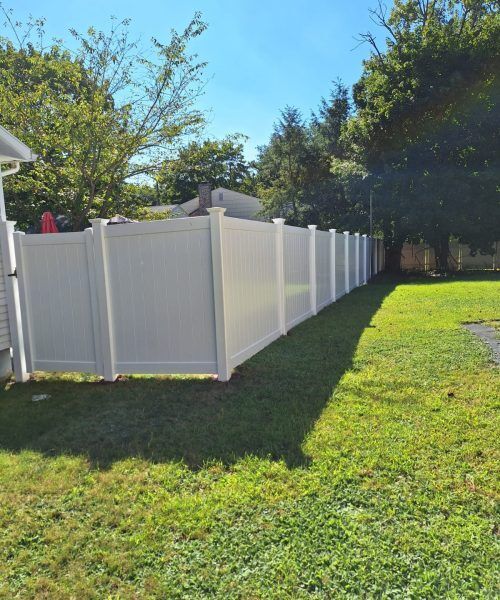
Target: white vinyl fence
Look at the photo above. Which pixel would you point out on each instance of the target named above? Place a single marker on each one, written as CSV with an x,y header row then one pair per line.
x,y
193,295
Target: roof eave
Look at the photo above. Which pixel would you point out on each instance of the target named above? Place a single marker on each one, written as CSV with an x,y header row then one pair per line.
x,y
14,150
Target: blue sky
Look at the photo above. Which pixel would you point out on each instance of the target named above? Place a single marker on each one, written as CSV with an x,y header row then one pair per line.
x,y
262,55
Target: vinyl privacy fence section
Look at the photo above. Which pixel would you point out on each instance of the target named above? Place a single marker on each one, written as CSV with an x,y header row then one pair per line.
x,y
194,295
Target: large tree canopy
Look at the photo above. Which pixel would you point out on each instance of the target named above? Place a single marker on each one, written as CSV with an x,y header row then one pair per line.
x,y
423,134
427,123
97,117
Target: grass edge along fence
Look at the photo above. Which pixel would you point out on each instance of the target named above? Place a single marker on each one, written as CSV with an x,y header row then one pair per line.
x,y
194,295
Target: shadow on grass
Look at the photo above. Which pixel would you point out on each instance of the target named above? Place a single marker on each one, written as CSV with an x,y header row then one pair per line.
x,y
266,410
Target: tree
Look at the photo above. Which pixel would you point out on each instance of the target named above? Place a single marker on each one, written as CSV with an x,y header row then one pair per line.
x,y
329,122
427,122
98,117
302,174
286,167
219,162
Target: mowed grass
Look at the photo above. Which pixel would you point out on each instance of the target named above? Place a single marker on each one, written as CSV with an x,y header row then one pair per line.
x,y
355,458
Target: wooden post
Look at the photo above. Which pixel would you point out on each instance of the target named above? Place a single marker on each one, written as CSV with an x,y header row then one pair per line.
x,y
104,300
333,272
312,270
216,215
13,300
280,273
346,261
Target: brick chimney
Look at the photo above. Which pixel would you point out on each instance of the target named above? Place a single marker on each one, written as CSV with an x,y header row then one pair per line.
x,y
205,196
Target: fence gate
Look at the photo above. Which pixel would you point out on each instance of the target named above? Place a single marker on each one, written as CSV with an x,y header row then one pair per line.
x,y
58,301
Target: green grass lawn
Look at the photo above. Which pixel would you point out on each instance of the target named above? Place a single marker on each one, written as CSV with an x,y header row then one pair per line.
x,y
356,457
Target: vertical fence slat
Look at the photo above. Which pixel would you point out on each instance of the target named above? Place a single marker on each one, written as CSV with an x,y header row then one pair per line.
x,y
346,260
104,300
13,300
365,255
357,257
94,302
333,272
280,272
23,301
313,286
221,334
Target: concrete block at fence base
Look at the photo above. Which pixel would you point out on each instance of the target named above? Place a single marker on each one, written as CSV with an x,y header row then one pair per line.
x,y
5,364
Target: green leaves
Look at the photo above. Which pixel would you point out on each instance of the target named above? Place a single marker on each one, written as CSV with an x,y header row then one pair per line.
x,y
427,122
219,162
99,117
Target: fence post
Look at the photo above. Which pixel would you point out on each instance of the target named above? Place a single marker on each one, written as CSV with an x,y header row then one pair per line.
x,y
312,269
104,299
216,215
280,272
333,271
94,301
365,259
356,254
346,260
375,256
13,300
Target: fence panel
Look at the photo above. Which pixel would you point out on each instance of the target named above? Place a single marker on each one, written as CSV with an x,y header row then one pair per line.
x,y
161,296
479,261
57,302
296,259
323,269
139,297
422,257
251,287
340,266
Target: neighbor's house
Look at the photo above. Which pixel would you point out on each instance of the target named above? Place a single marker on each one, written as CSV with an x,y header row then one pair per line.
x,y
236,204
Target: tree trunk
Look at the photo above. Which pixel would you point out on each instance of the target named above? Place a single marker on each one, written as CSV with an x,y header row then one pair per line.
x,y
442,251
393,258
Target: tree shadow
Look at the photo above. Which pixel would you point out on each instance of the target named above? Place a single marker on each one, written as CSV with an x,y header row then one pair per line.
x,y
266,410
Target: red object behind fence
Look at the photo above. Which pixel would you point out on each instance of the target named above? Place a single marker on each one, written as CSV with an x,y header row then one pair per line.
x,y
49,223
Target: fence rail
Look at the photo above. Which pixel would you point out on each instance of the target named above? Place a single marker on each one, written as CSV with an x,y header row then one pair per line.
x,y
194,295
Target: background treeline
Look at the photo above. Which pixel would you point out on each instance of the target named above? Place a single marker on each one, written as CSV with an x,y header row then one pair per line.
x,y
114,127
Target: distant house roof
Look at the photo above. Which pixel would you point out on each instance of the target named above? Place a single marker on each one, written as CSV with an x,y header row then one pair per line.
x,y
12,149
175,210
236,204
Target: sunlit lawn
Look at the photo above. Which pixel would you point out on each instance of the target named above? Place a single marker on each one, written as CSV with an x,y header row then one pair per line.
x,y
354,458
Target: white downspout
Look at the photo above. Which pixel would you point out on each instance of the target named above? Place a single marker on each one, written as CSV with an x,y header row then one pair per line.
x,y
11,171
